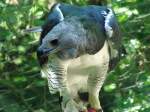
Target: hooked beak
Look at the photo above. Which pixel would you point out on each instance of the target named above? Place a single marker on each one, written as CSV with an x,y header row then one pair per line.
x,y
47,51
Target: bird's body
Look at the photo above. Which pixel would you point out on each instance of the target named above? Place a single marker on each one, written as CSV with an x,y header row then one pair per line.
x,y
83,67
78,46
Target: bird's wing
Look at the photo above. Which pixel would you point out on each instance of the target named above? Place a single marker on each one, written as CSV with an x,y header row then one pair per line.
x,y
110,24
113,34
109,29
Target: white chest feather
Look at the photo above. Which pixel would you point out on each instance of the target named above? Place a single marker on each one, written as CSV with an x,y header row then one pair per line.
x,y
79,69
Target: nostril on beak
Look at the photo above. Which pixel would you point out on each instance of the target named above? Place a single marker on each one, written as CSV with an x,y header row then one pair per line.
x,y
54,42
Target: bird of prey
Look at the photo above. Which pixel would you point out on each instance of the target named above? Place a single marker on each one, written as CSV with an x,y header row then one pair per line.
x,y
78,47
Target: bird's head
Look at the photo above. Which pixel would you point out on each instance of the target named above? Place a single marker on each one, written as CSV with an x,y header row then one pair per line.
x,y
63,40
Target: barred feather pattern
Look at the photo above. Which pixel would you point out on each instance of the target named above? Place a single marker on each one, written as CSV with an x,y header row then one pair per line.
x,y
55,76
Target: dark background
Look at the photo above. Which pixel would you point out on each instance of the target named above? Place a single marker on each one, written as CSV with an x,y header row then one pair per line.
x,y
127,88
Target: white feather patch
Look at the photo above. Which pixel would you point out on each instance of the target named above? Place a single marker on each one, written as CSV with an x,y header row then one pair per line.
x,y
108,16
60,12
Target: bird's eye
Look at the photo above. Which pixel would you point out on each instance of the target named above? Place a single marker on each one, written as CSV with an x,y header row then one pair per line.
x,y
54,42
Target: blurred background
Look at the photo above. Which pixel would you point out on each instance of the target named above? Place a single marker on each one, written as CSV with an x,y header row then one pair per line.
x,y
127,88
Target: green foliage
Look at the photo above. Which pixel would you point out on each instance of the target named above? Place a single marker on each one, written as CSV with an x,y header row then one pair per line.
x,y
127,87
22,89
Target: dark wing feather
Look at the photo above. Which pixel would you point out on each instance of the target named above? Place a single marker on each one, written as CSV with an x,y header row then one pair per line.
x,y
113,34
